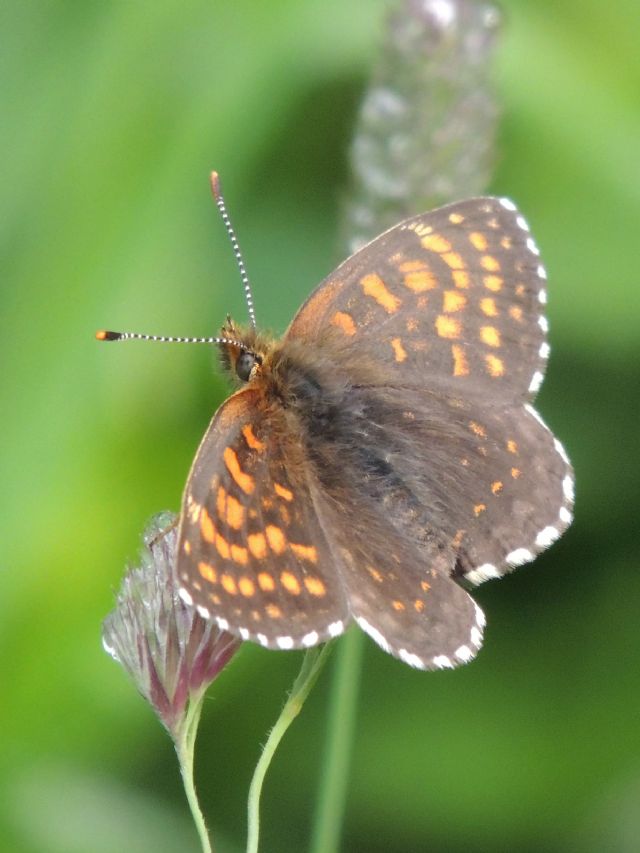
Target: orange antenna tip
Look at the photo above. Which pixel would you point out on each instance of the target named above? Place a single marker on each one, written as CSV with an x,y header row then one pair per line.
x,y
103,335
214,179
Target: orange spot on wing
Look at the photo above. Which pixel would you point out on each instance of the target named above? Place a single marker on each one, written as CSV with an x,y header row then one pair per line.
x,y
420,228
229,584
276,539
515,473
490,336
399,352
495,365
187,547
273,611
418,605
246,586
245,481
506,242
478,429
489,263
488,307
239,555
453,300
235,513
207,527
478,508
222,547
412,266
207,572
425,586
512,447
478,241
315,586
305,552
344,321
266,582
436,243
515,312
497,487
448,327
251,438
454,261
372,285
282,492
285,515
420,281
290,583
456,218
398,605
461,278
460,364
493,282
257,545
375,574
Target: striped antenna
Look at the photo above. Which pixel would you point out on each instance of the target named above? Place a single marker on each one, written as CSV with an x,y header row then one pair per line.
x,y
104,335
219,199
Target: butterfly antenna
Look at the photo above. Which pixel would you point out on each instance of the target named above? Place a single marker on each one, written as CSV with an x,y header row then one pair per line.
x,y
219,199
104,335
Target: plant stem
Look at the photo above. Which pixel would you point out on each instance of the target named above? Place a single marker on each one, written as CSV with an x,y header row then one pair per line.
x,y
185,748
327,827
312,664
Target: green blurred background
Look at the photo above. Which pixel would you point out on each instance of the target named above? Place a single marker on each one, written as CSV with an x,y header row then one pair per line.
x,y
113,113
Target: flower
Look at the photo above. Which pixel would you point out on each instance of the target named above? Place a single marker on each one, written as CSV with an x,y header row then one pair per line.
x,y
169,650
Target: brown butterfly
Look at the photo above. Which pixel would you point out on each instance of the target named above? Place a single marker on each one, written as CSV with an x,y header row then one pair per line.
x,y
382,454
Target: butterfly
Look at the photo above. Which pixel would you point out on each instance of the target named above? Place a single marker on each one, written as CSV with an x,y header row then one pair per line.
x,y
383,456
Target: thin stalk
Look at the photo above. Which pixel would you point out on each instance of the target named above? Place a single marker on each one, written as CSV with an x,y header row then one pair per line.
x,y
312,664
185,748
327,828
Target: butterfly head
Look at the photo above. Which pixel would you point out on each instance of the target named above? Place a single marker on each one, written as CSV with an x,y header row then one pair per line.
x,y
243,351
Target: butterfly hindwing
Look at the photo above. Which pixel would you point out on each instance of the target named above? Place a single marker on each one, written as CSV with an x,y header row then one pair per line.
x,y
251,553
401,591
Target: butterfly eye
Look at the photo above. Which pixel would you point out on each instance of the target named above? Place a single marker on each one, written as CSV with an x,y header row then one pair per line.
x,y
244,365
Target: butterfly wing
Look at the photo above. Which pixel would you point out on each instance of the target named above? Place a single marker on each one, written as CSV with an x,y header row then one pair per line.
x,y
251,553
491,487
453,298
400,587
447,308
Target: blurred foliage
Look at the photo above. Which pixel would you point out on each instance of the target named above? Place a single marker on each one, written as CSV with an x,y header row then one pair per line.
x,y
113,114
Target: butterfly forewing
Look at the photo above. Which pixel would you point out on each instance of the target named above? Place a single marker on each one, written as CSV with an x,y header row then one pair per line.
x,y
452,298
251,553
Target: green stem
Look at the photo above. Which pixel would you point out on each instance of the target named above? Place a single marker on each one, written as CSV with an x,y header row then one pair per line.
x,y
312,664
327,827
185,747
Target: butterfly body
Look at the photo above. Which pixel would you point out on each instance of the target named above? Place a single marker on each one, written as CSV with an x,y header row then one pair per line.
x,y
383,454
